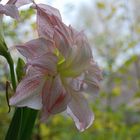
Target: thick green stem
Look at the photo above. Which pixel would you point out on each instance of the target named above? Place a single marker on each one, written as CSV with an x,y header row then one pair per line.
x,y
22,124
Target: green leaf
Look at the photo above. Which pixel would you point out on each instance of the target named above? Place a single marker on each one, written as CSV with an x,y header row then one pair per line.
x,y
22,124
14,126
27,123
3,47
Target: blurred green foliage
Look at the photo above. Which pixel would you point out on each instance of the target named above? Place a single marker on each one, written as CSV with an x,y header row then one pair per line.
x,y
115,36
109,124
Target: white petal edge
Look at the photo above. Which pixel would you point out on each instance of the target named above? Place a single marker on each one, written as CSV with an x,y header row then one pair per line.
x,y
27,96
77,109
34,102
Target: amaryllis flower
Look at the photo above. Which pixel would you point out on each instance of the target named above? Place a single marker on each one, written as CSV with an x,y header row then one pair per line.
x,y
60,70
10,8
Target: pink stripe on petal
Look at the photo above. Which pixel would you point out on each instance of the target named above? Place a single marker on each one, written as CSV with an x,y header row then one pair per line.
x,y
57,102
55,98
46,62
47,18
35,48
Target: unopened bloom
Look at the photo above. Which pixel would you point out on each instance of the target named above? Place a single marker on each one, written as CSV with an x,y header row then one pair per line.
x,y
60,70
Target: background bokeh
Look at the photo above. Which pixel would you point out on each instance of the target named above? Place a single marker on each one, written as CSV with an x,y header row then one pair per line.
x,y
113,30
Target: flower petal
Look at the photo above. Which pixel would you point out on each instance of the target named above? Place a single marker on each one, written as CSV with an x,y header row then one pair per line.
x,y
92,79
9,10
19,3
11,2
2,9
62,40
55,98
83,53
77,62
28,92
35,48
46,20
46,62
49,10
79,111
76,83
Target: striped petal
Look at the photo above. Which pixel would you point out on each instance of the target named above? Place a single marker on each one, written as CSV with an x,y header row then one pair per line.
x,y
45,63
62,40
28,92
55,98
92,79
35,48
46,20
79,111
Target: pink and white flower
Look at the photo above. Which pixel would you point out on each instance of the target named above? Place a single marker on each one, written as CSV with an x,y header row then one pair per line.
x,y
60,70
